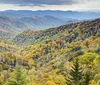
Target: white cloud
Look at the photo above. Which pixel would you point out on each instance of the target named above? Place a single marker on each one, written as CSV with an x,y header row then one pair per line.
x,y
83,5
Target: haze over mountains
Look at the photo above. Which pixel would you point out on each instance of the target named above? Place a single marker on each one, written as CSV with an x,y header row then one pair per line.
x,y
12,22
35,23
16,21
80,15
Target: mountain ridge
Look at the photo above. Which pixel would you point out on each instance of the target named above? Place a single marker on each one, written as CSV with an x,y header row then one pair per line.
x,y
80,15
72,31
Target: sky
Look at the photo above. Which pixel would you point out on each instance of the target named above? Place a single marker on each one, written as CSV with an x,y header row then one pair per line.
x,y
74,5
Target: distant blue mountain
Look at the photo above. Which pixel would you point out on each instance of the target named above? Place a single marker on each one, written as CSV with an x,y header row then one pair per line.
x,y
15,25
12,21
65,15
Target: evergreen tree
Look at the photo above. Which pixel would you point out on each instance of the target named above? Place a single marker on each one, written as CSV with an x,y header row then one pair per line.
x,y
75,76
19,77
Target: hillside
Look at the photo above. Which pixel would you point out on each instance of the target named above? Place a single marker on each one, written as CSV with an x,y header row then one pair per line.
x,y
69,33
53,55
39,23
11,25
6,36
16,25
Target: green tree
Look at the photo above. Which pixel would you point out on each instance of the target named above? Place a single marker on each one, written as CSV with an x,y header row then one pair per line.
x,y
1,81
87,78
75,76
19,77
98,83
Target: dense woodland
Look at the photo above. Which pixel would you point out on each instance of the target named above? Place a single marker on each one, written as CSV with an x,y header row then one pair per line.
x,y
64,55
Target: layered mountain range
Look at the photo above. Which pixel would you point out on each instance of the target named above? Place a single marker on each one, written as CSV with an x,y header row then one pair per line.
x,y
48,55
79,15
9,27
69,32
17,21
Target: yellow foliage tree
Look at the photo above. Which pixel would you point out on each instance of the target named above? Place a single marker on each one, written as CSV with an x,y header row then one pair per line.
x,y
50,83
60,80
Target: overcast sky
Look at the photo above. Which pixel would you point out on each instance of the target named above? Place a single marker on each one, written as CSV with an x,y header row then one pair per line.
x,y
74,5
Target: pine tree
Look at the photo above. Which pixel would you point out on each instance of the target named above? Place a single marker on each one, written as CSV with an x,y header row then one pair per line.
x,y
19,77
75,76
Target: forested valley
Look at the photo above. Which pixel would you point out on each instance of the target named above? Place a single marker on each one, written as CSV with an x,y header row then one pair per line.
x,y
63,55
